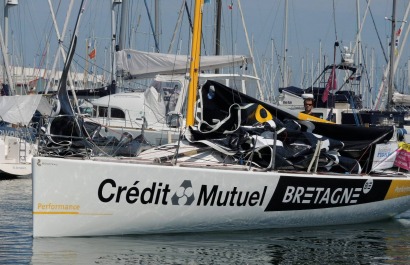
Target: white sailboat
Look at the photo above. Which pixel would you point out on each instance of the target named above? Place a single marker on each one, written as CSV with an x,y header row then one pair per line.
x,y
159,109
18,143
202,185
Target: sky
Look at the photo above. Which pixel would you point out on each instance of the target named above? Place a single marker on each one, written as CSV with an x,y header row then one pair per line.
x,y
313,26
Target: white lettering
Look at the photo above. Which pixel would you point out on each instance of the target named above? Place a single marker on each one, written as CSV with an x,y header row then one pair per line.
x,y
319,195
325,197
335,196
299,192
319,190
288,194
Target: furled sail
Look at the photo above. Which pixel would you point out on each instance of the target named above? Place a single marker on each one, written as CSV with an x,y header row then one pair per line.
x,y
239,126
401,99
18,109
133,64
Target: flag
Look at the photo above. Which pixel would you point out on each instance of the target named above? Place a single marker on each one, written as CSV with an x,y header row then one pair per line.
x,y
398,32
403,156
355,77
92,54
331,84
230,6
396,44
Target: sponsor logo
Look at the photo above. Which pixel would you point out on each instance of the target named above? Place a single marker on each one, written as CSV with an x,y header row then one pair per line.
x,y
159,193
402,189
368,186
41,163
385,150
234,197
381,154
398,188
295,193
20,167
319,195
184,195
24,134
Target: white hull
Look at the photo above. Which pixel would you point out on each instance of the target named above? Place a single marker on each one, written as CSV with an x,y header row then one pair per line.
x,y
18,169
16,155
93,198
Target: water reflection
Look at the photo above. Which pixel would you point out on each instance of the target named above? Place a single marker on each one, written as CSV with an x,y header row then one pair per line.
x,y
378,243
15,220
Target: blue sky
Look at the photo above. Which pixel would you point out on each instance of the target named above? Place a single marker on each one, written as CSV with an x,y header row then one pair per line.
x,y
310,23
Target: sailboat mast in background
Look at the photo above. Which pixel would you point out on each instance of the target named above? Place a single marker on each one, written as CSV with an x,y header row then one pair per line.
x,y
4,47
389,104
285,47
218,30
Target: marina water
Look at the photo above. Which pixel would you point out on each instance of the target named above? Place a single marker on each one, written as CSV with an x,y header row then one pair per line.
x,y
386,242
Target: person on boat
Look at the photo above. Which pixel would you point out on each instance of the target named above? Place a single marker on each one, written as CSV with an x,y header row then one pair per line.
x,y
308,105
173,98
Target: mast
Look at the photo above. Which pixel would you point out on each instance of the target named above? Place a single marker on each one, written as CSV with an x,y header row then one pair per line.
x,y
382,88
152,26
113,47
251,52
60,39
358,42
6,64
85,78
6,45
194,66
218,30
389,105
123,26
156,33
285,47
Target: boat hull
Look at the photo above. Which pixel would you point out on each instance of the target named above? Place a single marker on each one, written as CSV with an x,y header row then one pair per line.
x,y
94,198
16,169
16,152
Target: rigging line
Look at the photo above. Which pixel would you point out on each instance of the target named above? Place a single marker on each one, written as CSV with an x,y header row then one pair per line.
x,y
278,58
189,15
80,56
180,21
190,25
268,32
178,24
251,52
49,35
176,53
364,68
377,33
44,50
152,27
